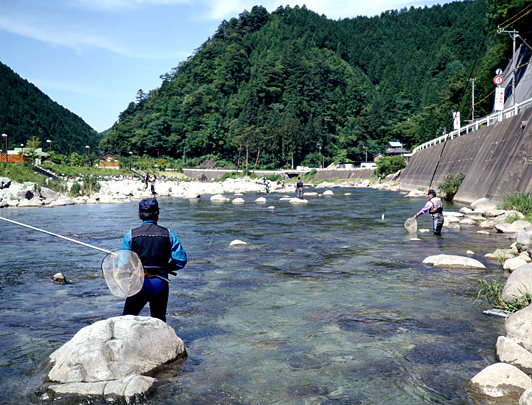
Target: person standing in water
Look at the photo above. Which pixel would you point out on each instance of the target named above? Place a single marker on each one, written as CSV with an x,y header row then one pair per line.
x,y
299,186
433,206
161,253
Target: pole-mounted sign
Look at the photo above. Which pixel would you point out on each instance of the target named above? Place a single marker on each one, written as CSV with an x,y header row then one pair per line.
x,y
498,80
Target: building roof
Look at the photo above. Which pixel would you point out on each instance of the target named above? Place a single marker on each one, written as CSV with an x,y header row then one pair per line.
x,y
395,144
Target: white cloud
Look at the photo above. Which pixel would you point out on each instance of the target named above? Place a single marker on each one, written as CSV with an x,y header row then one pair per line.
x,y
119,5
79,39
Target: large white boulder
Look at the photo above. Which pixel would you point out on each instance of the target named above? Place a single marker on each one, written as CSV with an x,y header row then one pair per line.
x,y
501,380
518,327
111,358
519,283
454,261
513,264
510,352
483,204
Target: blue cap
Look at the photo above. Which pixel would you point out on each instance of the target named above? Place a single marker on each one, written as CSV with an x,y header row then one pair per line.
x,y
148,205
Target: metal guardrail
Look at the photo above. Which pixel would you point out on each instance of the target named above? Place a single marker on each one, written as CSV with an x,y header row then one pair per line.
x,y
485,121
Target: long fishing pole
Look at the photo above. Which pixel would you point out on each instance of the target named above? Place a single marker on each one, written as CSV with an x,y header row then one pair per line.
x,y
69,239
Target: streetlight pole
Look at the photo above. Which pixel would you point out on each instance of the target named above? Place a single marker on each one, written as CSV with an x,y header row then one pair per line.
x,y
130,160
50,142
319,148
472,99
513,34
7,155
366,149
89,153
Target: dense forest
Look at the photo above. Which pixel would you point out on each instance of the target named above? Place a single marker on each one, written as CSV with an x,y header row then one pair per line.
x,y
26,112
294,86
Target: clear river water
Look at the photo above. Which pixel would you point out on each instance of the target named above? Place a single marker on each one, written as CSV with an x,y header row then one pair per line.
x,y
328,304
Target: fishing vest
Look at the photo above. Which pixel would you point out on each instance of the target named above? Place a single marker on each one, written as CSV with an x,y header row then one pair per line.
x,y
437,206
152,243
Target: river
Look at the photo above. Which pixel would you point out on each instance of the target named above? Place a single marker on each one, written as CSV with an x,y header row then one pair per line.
x,y
328,304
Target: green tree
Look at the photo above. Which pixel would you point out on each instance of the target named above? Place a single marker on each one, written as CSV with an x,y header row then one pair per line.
x,y
389,165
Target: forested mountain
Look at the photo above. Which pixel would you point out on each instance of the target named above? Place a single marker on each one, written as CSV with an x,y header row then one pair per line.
x,y
272,87
26,112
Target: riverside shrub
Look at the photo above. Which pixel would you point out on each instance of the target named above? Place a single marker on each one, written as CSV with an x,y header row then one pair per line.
x,y
450,185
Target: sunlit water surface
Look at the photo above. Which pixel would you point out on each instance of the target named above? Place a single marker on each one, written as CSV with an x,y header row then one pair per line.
x,y
328,303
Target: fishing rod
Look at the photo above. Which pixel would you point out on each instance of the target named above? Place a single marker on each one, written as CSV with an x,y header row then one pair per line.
x,y
69,239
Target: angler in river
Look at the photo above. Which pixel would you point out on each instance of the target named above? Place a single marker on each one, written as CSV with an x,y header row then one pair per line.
x,y
433,206
161,252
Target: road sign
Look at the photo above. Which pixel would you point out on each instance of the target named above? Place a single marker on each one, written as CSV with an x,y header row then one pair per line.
x,y
498,80
498,72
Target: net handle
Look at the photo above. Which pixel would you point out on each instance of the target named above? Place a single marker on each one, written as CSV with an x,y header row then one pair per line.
x,y
69,239
56,235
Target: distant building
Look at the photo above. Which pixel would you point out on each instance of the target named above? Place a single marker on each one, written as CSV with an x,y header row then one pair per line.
x,y
346,165
368,165
109,161
377,157
396,149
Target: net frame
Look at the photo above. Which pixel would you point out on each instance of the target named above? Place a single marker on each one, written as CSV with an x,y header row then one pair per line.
x,y
123,272
411,225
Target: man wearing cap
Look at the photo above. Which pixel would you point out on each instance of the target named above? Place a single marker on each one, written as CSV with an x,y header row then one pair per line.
x,y
161,252
433,206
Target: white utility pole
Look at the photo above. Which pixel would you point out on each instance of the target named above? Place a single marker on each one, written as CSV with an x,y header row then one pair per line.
x,y
513,34
472,99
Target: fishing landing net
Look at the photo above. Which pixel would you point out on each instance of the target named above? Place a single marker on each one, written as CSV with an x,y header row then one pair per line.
x,y
411,225
123,272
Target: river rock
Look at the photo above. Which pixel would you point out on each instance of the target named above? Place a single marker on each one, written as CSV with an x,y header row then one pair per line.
x,y
501,380
487,225
467,222
526,397
454,261
328,192
238,201
523,237
513,264
24,195
34,202
110,358
237,242
59,278
507,351
514,227
493,213
518,327
260,200
465,210
416,193
519,282
483,204
4,182
451,219
298,201
508,214
219,198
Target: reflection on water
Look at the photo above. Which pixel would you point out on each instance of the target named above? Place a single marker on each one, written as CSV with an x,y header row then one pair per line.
x,y
327,304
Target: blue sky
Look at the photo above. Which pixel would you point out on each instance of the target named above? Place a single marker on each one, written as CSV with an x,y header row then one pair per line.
x,y
92,56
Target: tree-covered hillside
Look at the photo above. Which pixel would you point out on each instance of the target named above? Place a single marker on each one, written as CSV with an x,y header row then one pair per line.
x,y
272,87
26,112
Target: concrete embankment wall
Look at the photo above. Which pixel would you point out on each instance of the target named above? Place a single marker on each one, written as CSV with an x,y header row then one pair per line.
x,y
320,174
496,160
344,174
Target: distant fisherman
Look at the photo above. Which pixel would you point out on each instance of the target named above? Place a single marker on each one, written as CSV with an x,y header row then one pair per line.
x,y
433,206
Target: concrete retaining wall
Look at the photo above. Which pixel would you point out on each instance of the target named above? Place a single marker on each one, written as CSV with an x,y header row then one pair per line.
x,y
496,160
344,174
320,174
